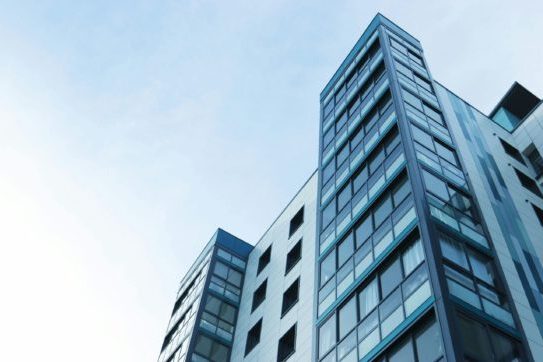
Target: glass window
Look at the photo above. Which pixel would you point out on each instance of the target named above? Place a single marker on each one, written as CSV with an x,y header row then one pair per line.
x,y
368,298
403,353
364,230
234,277
377,160
328,213
435,185
328,136
428,343
296,221
446,153
287,344
345,249
327,335
433,114
401,191
253,337
221,270
343,154
391,277
482,267
344,196
341,121
411,99
413,256
423,83
328,267
505,349
476,343
383,210
328,171
453,251
347,317
422,137
392,142
360,179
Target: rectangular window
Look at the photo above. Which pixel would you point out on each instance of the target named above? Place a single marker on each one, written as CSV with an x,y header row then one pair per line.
x,y
528,183
347,317
264,260
512,151
296,221
253,337
294,256
210,349
290,297
259,295
328,267
287,345
327,335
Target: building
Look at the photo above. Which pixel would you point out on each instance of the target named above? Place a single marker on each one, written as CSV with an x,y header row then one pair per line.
x,y
418,238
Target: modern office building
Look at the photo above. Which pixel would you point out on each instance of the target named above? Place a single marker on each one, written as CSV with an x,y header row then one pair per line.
x,y
418,238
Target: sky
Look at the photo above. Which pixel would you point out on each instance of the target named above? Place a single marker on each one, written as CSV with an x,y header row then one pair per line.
x,y
131,130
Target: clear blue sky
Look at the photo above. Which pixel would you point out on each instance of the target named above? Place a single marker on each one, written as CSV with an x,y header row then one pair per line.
x,y
131,130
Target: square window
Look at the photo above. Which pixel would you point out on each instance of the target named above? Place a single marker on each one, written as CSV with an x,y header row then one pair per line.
x,y
264,260
296,222
290,297
287,345
294,256
253,337
436,186
422,137
259,295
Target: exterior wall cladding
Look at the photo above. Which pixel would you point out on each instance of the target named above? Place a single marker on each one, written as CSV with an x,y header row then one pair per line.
x,y
418,238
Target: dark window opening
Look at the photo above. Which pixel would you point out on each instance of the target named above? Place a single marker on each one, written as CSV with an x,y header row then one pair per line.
x,y
528,183
287,345
538,213
264,260
290,297
296,221
253,337
512,151
294,256
259,295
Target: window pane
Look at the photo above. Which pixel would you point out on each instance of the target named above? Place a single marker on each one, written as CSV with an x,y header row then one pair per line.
x,y
401,191
391,277
383,210
452,250
413,256
347,317
368,298
475,339
377,160
344,197
446,153
234,277
403,354
422,137
345,249
328,267
327,335
360,179
364,230
482,267
428,343
436,186
328,213
505,350
221,270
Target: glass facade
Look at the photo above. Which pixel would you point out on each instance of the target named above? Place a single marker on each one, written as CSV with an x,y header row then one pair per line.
x,y
203,320
398,222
